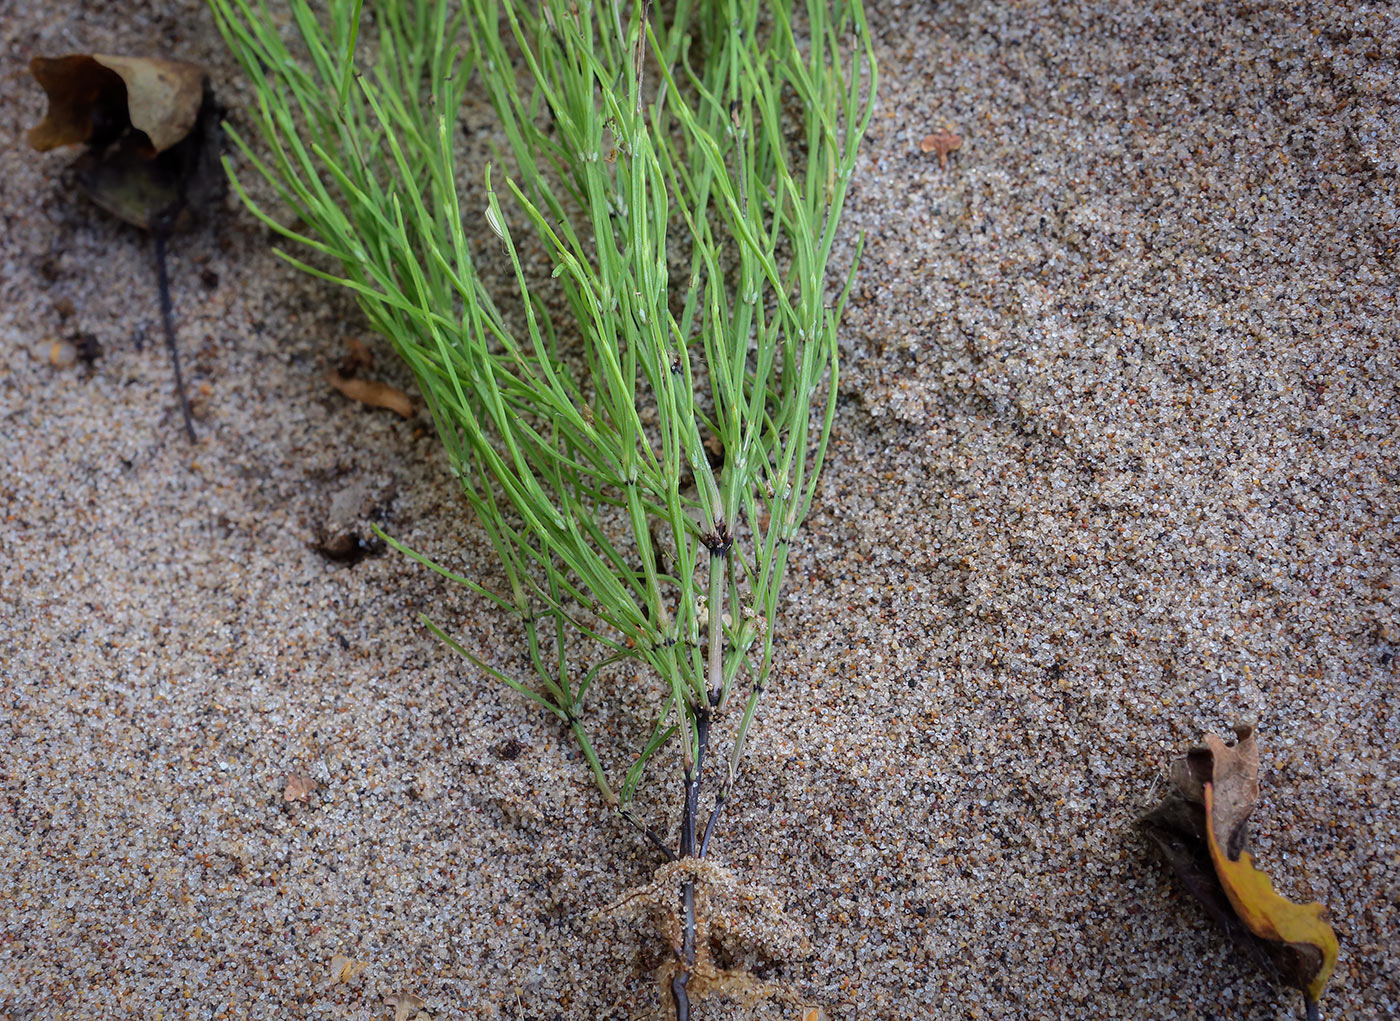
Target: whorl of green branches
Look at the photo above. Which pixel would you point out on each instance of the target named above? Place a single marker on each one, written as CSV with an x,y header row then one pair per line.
x,y
716,136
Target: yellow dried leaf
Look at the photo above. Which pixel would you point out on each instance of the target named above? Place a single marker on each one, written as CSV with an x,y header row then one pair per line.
x,y
1268,915
373,393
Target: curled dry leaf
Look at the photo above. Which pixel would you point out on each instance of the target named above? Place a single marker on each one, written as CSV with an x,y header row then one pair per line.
x,y
95,94
1233,770
1201,829
151,128
1301,926
373,393
343,968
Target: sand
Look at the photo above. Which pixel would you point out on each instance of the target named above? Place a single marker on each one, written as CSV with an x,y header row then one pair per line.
x,y
1114,467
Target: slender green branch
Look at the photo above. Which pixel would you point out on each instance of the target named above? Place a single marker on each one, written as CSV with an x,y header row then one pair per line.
x,y
641,467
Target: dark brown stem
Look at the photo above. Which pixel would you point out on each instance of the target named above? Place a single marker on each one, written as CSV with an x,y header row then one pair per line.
x,y
678,984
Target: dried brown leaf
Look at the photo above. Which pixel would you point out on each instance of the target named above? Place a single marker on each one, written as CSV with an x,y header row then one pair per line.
x,y
373,393
96,95
1202,830
1233,769
82,94
163,97
151,127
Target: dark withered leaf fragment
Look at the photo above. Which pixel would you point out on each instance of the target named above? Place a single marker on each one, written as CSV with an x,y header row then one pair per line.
x,y
1201,829
348,547
152,133
151,128
1178,828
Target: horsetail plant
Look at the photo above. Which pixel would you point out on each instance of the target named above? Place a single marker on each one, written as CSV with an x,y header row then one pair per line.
x,y
684,169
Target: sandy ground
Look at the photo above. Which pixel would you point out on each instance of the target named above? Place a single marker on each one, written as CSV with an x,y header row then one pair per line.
x,y
1115,465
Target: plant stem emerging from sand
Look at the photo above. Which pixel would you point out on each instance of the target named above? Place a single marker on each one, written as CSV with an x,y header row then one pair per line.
x,y
167,320
683,174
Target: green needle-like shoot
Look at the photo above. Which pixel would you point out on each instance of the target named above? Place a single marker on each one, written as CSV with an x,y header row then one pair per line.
x,y
684,167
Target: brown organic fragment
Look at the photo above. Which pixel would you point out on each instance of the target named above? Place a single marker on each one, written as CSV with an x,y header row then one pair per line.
x,y
151,130
1233,769
373,393
298,788
1201,829
163,97
85,99
347,547
357,356
942,143
87,347
94,97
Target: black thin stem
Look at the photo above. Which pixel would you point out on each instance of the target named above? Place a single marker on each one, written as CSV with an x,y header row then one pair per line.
x,y
679,995
688,818
692,782
167,317
678,984
1314,1011
710,826
648,832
